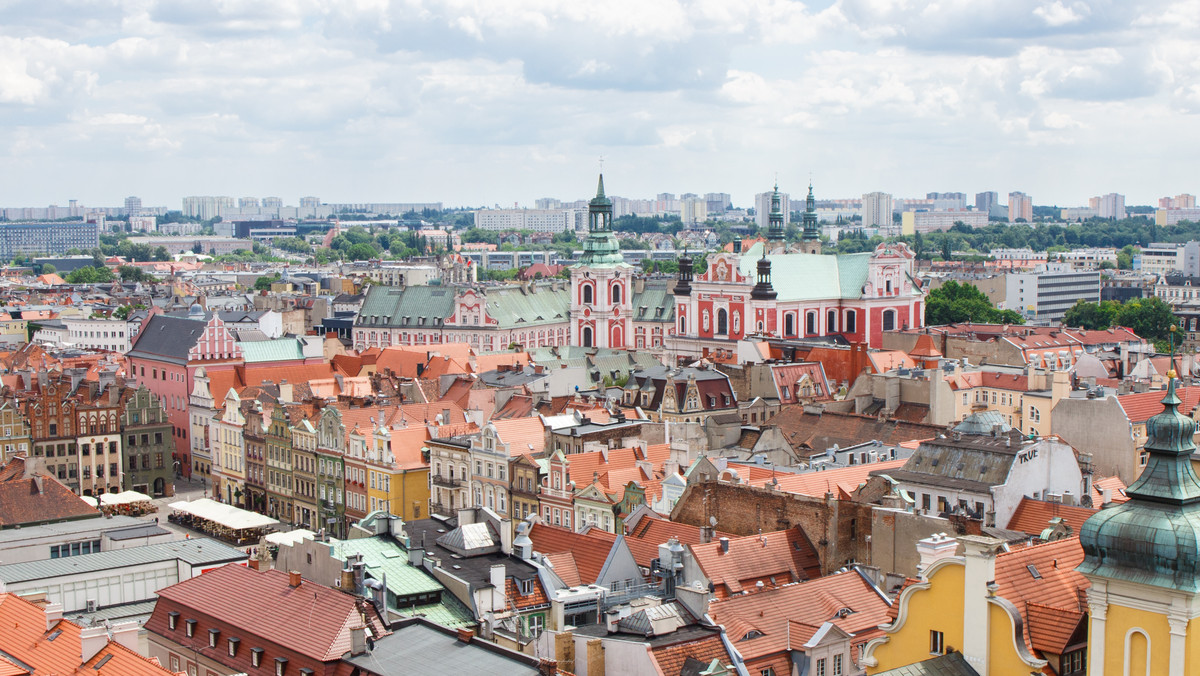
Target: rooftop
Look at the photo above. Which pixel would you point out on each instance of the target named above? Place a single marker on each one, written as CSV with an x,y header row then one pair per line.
x,y
197,552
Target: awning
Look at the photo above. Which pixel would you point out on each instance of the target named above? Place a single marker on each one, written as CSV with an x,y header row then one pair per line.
x,y
226,515
291,537
123,498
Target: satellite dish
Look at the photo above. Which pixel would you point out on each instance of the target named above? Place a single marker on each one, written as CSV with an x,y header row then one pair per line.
x,y
712,521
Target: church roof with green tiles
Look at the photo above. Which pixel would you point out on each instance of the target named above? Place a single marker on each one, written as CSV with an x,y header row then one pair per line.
x,y
804,276
517,306
393,306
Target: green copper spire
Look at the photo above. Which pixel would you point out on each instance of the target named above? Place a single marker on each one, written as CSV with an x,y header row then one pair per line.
x,y
1154,538
775,232
601,246
811,233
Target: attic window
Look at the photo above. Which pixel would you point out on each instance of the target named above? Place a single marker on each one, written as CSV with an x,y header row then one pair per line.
x,y
172,620
935,462
526,587
213,634
280,665
233,646
190,628
1033,571
256,655
54,635
753,633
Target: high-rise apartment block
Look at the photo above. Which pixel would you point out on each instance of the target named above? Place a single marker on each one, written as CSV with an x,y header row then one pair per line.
x,y
534,220
947,201
1184,201
133,206
693,209
206,207
1111,205
762,208
876,209
48,238
1020,207
986,201
718,202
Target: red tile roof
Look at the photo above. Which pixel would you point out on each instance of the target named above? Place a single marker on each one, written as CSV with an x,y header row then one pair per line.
x,y
1051,628
524,436
1111,483
589,551
811,603
532,600
1033,516
670,658
29,495
564,567
775,559
645,537
1142,406
275,615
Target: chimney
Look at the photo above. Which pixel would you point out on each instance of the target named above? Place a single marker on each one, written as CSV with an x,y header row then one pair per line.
x,y
253,564
358,639
979,574
294,578
465,635
934,548
126,633
498,573
54,613
595,657
724,545
359,569
347,581
564,651
92,640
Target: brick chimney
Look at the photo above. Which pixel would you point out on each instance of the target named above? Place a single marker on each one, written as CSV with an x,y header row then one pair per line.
x,y
294,578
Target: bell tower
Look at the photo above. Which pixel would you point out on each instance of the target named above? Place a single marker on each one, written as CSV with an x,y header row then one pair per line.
x,y
811,239
601,283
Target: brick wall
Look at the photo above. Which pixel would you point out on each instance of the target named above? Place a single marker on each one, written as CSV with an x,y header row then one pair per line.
x,y
838,529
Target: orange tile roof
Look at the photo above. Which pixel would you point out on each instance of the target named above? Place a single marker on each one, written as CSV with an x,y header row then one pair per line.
x,y
1051,628
564,567
645,537
401,361
489,362
1033,516
842,480
886,360
775,559
1142,406
1112,483
1058,585
583,466
524,436
671,657
925,347
23,637
532,600
812,603
589,551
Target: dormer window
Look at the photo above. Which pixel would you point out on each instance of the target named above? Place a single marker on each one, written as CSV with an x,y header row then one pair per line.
x,y
213,634
172,620
190,628
280,666
233,646
256,655
526,587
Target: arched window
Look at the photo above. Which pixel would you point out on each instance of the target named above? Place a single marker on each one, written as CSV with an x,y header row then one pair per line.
x,y
722,321
810,323
889,320
586,336
851,321
1137,652
587,294
616,294
789,324
682,325
831,321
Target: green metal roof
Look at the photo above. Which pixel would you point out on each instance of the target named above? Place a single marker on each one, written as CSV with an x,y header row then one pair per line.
x,y
515,308
656,294
1154,537
394,307
280,349
386,559
803,276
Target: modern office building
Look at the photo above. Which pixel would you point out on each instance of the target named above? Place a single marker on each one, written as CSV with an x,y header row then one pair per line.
x,y
1169,258
1046,293
1020,206
876,209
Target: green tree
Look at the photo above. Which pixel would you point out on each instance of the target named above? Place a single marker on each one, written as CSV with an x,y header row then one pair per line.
x,y
1092,316
264,283
1151,318
89,275
48,269
953,303
160,254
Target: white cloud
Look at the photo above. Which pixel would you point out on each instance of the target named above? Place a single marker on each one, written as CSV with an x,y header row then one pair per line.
x,y
1058,14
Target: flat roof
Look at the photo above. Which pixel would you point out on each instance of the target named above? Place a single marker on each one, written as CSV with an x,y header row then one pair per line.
x,y
97,524
194,551
420,648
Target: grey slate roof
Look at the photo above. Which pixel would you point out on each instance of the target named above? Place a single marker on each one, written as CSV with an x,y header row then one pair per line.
x,y
972,463
194,551
420,649
951,664
97,525
167,339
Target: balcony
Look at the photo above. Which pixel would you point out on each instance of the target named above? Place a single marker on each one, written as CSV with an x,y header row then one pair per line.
x,y
446,482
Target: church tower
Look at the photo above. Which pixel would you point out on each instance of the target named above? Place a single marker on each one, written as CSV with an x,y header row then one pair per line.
x,y
1142,558
601,283
775,231
763,290
811,242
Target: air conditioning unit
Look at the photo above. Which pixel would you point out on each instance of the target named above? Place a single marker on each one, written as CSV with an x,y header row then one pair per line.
x,y
91,605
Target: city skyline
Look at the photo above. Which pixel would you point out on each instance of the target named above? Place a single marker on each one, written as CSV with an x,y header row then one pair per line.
x,y
486,104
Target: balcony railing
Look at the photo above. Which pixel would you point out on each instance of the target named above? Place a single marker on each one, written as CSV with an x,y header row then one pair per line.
x,y
446,482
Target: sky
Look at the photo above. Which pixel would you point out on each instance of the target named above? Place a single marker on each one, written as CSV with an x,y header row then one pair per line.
x,y
485,102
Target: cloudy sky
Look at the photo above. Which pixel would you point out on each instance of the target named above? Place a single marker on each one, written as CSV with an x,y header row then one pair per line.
x,y
478,102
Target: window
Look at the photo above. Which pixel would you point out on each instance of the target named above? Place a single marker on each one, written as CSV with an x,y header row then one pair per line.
x,y
722,321
937,644
190,628
256,655
810,323
837,665
616,294
789,324
889,320
851,321
769,671
233,646
587,294
280,665
213,635
821,667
